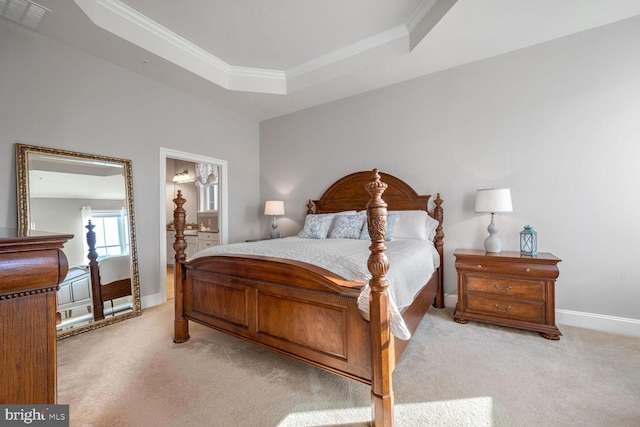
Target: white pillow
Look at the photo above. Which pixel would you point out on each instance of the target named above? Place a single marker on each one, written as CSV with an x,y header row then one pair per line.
x,y
411,225
432,224
344,213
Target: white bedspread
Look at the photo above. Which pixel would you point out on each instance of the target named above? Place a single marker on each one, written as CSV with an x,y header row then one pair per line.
x,y
412,262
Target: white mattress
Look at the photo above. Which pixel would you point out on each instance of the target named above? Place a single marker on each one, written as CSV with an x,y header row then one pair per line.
x,y
412,262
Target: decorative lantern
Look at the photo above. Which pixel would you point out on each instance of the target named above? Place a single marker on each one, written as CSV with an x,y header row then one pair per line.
x,y
528,241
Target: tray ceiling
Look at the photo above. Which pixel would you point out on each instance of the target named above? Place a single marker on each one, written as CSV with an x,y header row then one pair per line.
x,y
265,58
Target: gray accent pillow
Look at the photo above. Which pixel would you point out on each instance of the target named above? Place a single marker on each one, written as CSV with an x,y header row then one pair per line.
x,y
347,227
316,226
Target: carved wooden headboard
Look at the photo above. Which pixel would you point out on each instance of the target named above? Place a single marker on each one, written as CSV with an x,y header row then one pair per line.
x,y
348,193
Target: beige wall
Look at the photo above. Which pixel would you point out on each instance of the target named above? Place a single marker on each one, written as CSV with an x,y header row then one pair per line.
x,y
557,123
55,96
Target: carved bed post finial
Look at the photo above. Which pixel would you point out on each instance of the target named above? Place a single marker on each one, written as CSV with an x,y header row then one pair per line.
x,y
378,264
94,271
180,324
311,207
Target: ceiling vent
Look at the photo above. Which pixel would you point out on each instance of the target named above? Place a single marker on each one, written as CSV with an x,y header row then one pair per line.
x,y
23,12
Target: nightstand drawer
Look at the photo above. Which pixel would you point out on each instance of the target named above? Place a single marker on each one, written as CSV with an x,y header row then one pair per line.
x,y
508,287
504,307
518,268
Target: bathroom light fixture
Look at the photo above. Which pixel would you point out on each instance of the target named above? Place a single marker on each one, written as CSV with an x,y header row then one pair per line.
x,y
182,177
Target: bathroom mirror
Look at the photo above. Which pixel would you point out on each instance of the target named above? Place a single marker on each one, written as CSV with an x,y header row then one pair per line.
x,y
76,193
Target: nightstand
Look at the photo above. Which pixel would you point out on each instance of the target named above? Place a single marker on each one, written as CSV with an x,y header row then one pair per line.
x,y
507,289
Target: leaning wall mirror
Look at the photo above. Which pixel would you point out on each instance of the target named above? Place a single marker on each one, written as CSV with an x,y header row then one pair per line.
x,y
91,197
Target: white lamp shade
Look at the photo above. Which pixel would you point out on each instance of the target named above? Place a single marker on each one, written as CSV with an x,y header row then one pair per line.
x,y
274,207
494,200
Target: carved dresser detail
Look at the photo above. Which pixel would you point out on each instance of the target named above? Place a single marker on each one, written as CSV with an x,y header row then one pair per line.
x,y
32,265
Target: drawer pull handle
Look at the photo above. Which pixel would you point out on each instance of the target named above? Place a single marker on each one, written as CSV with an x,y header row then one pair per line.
x,y
502,310
527,269
502,291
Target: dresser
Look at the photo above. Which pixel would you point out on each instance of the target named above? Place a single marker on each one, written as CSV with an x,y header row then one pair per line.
x,y
507,289
207,239
32,265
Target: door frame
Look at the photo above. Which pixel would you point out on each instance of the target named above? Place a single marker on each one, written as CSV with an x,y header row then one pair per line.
x,y
167,153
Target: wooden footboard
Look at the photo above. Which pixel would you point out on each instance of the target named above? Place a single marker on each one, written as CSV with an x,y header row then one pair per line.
x,y
319,324
291,307
304,311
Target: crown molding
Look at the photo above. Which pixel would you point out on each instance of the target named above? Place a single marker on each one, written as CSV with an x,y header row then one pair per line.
x,y
356,56
117,18
125,22
349,51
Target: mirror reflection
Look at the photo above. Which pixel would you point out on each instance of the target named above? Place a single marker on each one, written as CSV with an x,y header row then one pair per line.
x,y
90,197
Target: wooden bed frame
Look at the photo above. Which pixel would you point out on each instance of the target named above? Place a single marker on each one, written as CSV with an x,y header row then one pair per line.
x,y
74,292
102,292
307,312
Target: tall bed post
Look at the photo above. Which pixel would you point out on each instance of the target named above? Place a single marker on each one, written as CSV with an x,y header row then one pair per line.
x,y
180,324
438,214
378,264
94,271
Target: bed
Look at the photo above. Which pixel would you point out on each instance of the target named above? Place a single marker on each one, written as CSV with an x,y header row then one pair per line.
x,y
110,276
306,311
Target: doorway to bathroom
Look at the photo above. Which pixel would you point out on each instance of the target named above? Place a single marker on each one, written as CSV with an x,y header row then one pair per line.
x,y
203,182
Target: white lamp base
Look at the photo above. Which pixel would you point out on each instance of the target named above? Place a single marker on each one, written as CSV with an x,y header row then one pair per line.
x,y
493,243
275,234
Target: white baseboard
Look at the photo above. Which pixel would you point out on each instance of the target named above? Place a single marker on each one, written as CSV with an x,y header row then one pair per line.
x,y
450,300
149,301
598,322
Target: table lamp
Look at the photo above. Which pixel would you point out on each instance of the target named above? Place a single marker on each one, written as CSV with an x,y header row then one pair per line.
x,y
275,208
492,201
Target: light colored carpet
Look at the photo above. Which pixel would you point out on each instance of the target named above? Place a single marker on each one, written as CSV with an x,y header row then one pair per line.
x,y
132,374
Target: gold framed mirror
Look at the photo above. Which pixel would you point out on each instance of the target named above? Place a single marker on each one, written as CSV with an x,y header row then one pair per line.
x,y
91,197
